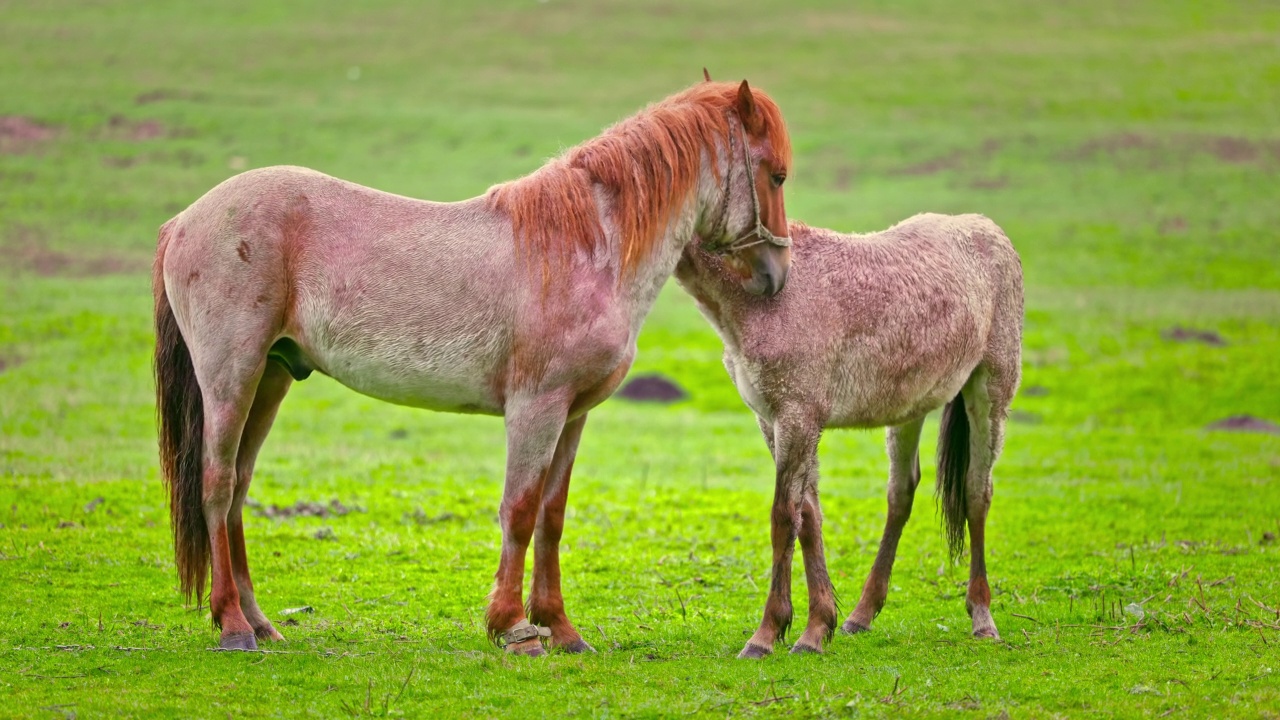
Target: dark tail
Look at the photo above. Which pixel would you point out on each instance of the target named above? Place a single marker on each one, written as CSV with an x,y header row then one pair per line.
x,y
180,411
953,468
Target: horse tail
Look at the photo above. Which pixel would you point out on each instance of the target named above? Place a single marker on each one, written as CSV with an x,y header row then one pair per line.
x,y
953,468
180,412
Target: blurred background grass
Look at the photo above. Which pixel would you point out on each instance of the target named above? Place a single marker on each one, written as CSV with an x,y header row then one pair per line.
x,y
1130,150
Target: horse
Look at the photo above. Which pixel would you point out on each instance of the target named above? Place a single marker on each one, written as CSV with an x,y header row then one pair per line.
x,y
872,331
524,302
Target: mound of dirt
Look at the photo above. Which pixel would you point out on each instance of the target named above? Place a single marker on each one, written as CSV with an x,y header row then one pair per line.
x,y
1177,333
1245,423
652,388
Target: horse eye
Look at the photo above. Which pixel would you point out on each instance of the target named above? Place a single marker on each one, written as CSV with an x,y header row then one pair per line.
x,y
778,179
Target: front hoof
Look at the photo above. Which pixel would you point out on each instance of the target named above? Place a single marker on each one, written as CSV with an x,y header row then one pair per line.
x,y
238,641
268,633
526,648
576,647
852,628
803,649
987,633
754,652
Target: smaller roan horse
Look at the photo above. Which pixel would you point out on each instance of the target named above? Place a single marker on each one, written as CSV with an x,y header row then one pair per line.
x,y
525,303
872,331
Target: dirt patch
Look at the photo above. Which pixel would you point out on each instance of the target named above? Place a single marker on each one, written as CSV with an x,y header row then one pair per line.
x,y
1152,152
155,96
652,388
302,508
8,363
1173,226
996,183
134,130
954,160
1177,333
1034,391
1245,423
843,179
21,135
421,518
1023,417
26,248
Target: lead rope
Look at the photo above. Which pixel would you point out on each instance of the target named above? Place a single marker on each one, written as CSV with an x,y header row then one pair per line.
x,y
762,234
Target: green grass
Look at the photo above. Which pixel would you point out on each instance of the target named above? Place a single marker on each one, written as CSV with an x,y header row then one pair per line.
x,y
1129,149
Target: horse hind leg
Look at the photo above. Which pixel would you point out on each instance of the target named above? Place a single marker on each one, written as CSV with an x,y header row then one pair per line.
x,y
902,443
272,388
987,396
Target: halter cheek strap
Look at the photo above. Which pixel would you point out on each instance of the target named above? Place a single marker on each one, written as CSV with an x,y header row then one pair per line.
x,y
751,236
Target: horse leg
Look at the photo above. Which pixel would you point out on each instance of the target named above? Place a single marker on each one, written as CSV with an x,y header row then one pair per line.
x,y
228,397
271,391
546,603
904,475
986,402
534,426
822,596
795,448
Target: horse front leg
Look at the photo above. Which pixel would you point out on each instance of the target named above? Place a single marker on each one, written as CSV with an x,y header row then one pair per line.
x,y
546,603
904,476
534,426
822,596
795,447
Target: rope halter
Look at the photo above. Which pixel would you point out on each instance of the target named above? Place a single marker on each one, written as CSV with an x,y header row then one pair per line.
x,y
751,236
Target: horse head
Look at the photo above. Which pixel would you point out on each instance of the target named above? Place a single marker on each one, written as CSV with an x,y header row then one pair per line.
x,y
751,227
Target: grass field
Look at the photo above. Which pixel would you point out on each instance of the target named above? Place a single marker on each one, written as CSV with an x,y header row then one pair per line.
x,y
1130,150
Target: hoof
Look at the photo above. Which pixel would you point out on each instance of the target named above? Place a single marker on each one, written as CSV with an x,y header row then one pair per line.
x,y
576,647
268,633
852,628
802,649
754,652
987,633
527,648
238,641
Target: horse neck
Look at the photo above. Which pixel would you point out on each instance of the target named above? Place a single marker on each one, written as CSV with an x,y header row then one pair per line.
x,y
680,233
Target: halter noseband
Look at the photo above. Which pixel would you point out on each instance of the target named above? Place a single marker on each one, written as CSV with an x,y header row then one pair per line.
x,y
760,233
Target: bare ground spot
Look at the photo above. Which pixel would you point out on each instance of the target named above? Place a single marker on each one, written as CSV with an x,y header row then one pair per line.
x,y
27,249
8,363
954,160
1154,152
163,95
21,135
119,127
652,388
1178,333
302,508
1245,423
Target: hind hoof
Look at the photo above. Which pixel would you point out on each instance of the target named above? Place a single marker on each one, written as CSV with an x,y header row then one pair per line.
x,y
852,628
754,652
238,641
576,647
802,649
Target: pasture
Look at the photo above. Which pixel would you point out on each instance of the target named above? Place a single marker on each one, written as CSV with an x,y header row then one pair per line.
x,y
1129,150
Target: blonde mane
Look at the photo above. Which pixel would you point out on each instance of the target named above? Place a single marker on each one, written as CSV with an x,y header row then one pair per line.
x,y
647,165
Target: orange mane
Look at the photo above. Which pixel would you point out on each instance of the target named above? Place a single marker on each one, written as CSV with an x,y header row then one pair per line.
x,y
647,165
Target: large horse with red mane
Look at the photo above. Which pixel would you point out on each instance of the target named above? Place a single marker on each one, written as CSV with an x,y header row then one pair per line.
x,y
524,302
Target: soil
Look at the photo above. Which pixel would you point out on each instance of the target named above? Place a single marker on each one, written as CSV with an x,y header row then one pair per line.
x,y
1245,423
652,388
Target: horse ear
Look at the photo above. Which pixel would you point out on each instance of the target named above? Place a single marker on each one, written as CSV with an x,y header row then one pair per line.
x,y
752,122
706,75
